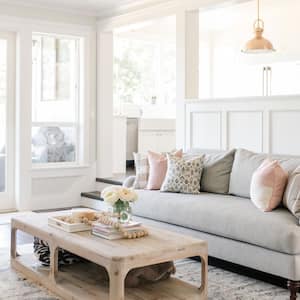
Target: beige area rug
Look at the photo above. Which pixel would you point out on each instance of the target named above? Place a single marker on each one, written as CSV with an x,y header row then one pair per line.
x,y
223,285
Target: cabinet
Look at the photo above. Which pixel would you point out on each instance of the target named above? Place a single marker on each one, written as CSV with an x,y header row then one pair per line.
x,y
157,135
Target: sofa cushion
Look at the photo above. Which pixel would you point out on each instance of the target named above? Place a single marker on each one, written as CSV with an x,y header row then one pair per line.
x,y
183,175
291,198
217,169
267,185
246,163
223,215
158,165
142,170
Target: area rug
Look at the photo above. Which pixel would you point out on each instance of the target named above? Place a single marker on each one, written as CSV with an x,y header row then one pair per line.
x,y
223,285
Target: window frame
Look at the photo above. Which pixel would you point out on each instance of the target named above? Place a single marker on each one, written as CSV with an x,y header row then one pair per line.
x,y
79,122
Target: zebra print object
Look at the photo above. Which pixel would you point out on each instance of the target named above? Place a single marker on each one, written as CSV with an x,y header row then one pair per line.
x,y
42,252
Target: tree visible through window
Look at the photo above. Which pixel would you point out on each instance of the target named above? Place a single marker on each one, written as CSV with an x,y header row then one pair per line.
x,y
144,71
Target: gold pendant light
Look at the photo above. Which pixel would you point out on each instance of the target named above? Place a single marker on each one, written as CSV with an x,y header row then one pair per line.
x,y
258,44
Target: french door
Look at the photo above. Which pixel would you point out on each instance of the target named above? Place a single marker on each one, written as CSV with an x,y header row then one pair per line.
x,y
7,120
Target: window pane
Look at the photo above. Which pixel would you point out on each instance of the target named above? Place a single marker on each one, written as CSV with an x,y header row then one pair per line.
x,y
55,79
3,94
48,68
145,68
53,144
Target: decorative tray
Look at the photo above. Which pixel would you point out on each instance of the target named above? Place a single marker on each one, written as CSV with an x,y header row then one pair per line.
x,y
58,222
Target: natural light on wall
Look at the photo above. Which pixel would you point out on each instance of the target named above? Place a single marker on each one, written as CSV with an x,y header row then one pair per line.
x,y
225,71
145,68
55,90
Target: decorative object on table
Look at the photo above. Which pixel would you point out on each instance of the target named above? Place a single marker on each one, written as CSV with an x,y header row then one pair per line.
x,y
118,224
75,222
120,199
109,229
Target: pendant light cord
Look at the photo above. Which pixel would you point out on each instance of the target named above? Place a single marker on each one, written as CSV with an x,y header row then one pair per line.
x,y
258,10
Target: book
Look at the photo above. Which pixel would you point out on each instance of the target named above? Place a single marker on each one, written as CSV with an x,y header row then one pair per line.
x,y
115,236
125,225
113,230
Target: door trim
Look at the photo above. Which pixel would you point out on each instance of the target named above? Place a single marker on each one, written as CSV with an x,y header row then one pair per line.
x,y
7,198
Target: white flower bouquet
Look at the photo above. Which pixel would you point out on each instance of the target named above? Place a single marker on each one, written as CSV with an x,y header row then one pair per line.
x,y
120,199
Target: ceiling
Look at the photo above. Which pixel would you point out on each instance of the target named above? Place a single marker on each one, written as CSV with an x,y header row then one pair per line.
x,y
86,7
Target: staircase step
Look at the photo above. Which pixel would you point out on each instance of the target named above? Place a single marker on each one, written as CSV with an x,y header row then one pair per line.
x,y
96,195
110,181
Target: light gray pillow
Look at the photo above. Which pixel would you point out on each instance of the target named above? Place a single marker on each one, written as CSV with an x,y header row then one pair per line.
x,y
245,164
142,171
183,176
291,198
216,172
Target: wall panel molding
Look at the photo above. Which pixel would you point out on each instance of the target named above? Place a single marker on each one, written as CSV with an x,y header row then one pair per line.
x,y
261,124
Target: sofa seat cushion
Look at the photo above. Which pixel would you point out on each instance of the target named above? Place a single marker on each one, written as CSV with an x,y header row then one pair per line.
x,y
223,215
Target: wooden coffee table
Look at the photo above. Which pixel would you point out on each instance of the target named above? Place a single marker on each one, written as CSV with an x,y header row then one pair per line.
x,y
117,257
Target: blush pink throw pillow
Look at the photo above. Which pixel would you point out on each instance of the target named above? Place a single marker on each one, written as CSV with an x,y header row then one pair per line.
x,y
267,185
158,165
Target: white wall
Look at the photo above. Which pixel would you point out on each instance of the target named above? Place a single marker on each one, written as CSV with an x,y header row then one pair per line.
x,y
57,187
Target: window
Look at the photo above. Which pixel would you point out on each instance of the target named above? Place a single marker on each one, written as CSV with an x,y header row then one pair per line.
x,y
145,66
55,107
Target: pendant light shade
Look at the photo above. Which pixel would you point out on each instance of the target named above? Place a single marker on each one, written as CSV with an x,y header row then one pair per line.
x,y
258,44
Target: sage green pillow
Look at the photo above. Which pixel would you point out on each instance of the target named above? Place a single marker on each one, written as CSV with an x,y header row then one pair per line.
x,y
216,172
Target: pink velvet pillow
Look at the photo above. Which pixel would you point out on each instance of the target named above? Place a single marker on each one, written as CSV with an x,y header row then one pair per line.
x,y
158,165
267,186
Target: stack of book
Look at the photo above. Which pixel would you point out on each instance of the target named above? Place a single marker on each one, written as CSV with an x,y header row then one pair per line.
x,y
110,233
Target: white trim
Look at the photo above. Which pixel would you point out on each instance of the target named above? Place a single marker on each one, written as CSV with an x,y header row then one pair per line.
x,y
7,198
60,170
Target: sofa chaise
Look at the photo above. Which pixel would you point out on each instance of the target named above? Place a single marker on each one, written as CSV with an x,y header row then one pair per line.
x,y
235,229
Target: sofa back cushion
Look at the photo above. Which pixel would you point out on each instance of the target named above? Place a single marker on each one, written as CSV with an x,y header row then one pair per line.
x,y
217,169
267,185
247,162
158,165
291,198
142,170
183,175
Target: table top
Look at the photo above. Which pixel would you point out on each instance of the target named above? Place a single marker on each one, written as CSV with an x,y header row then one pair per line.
x,y
157,243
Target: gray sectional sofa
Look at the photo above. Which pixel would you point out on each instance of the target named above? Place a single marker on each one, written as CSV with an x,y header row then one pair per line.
x,y
235,229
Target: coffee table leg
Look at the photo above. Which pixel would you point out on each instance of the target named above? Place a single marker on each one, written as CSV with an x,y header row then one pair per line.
x,y
13,242
53,262
117,283
204,276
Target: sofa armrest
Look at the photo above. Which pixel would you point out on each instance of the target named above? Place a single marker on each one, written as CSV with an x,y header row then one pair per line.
x,y
129,181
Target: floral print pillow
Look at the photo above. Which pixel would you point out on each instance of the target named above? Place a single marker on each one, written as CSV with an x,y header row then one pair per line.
x,y
183,176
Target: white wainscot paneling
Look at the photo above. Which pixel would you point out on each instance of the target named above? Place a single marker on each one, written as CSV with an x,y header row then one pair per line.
x,y
285,132
245,130
206,130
